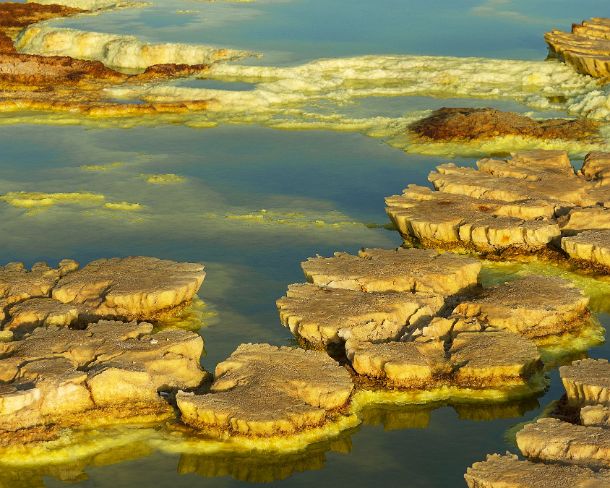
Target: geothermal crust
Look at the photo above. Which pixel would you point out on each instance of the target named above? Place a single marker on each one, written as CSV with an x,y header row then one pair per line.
x,y
532,203
133,288
60,82
452,335
266,391
467,124
586,48
104,373
552,445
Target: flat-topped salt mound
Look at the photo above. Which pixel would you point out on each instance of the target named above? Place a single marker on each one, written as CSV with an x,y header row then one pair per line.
x,y
321,316
595,415
532,203
591,247
264,391
400,270
439,219
509,472
474,360
586,48
537,175
467,124
133,287
553,440
533,306
105,373
587,382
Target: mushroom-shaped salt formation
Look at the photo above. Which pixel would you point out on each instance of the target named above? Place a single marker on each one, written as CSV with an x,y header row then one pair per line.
x,y
591,248
267,392
532,203
537,307
400,270
586,48
444,220
553,440
131,288
106,373
474,365
509,472
322,316
587,382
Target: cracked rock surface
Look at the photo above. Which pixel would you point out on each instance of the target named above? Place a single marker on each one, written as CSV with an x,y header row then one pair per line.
x,y
106,372
322,316
532,203
263,391
142,288
400,270
586,47
509,472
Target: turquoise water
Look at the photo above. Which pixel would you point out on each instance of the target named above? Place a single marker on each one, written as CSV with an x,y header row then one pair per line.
x,y
254,202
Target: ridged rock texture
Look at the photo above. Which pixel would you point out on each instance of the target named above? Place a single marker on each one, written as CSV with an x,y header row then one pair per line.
x,y
265,391
132,288
560,453
404,322
102,374
586,48
532,203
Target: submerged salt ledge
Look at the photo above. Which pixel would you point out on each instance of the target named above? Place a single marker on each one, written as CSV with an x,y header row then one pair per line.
x,y
118,51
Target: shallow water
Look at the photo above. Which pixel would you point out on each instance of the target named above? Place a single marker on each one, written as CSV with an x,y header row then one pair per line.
x,y
254,201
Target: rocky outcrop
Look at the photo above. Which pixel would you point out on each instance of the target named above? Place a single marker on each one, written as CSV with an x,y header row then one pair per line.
x,y
396,270
587,382
532,203
133,288
586,48
468,124
106,373
263,391
509,472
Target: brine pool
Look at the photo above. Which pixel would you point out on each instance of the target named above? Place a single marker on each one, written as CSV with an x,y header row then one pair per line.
x,y
252,198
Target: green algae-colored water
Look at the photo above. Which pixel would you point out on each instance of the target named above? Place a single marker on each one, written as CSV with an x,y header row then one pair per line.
x,y
253,201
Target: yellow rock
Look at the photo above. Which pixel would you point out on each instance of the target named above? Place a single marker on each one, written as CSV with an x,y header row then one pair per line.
x,y
401,270
266,391
587,382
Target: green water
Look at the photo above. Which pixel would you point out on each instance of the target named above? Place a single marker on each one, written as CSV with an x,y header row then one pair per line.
x,y
255,202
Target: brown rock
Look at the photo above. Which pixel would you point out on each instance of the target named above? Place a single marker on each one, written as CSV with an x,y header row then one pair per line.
x,y
467,124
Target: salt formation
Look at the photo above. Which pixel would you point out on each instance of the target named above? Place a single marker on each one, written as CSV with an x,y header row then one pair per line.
x,y
467,124
533,202
143,288
509,472
263,391
104,373
587,382
413,330
586,48
474,361
320,316
534,306
399,270
125,52
551,445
